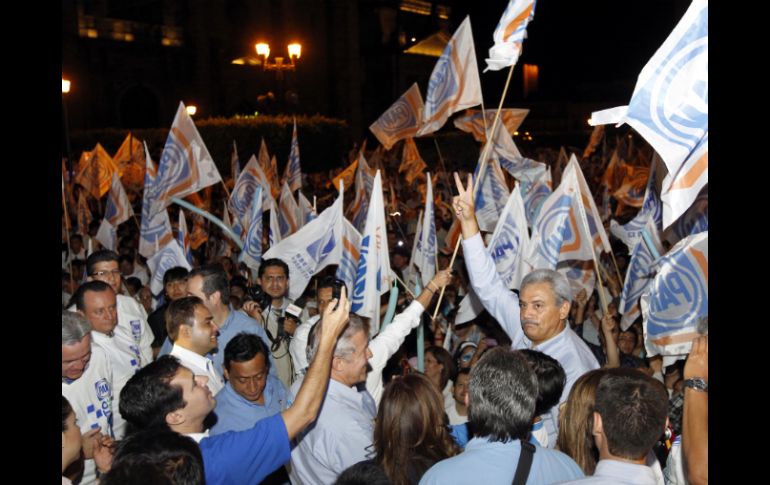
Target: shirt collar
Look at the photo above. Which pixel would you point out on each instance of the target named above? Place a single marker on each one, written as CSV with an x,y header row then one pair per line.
x,y
553,341
622,471
190,356
198,436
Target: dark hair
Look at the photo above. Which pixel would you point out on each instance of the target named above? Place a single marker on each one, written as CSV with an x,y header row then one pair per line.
x,y
633,330
181,312
502,396
410,433
134,284
244,347
76,236
99,256
214,279
177,273
551,379
176,456
332,282
126,258
266,263
148,396
66,410
633,407
79,298
444,358
363,473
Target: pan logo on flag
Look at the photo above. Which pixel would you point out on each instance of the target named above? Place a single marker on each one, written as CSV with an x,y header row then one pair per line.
x,y
641,269
318,251
243,194
678,296
506,245
400,116
555,233
535,194
360,285
176,160
442,85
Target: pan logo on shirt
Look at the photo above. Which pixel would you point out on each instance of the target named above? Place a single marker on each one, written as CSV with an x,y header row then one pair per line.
x,y
104,393
136,329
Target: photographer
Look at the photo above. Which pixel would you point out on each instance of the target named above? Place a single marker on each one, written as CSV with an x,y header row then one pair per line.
x,y
270,310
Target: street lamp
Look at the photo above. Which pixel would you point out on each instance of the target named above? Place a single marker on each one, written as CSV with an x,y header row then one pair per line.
x,y
295,51
191,109
65,89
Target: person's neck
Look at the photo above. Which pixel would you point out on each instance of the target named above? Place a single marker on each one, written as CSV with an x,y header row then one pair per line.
x,y
220,314
560,329
188,346
189,427
277,303
461,408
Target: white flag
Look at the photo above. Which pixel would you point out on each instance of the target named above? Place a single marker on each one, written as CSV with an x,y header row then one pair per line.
x,y
425,254
510,34
169,256
252,245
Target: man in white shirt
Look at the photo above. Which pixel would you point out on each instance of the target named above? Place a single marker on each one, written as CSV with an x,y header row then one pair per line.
x,y
191,326
132,317
96,301
273,277
629,418
536,319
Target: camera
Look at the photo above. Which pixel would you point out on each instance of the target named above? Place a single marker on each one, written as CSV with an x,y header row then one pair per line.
x,y
257,294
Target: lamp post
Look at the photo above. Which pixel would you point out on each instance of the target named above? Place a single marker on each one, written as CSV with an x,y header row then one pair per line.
x,y
279,65
65,89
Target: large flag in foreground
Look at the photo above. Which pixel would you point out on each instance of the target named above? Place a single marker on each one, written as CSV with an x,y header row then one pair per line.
x,y
454,83
510,34
185,166
374,263
312,248
156,228
351,242
677,300
401,120
669,107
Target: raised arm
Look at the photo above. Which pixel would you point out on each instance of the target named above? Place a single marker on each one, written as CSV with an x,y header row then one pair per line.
x,y
695,420
498,300
313,389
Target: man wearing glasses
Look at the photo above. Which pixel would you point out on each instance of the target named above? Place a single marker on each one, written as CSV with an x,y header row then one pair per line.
x,y
132,326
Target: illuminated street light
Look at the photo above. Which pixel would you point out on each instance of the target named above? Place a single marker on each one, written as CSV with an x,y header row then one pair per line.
x,y
191,109
295,51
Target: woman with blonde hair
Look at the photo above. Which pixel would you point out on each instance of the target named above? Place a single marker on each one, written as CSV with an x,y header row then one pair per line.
x,y
576,421
410,433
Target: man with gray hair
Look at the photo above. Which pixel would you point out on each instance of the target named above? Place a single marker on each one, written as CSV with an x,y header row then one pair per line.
x,y
86,382
501,402
345,426
543,306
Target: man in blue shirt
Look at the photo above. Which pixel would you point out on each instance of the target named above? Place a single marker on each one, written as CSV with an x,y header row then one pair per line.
x,y
250,393
501,405
166,394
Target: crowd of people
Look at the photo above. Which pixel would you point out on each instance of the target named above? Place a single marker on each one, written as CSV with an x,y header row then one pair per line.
x,y
222,378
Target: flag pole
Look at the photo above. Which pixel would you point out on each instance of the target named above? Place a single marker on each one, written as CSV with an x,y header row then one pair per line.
x,y
484,155
443,165
404,285
67,228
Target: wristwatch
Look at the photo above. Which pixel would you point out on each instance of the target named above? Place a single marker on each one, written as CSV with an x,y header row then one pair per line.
x,y
697,384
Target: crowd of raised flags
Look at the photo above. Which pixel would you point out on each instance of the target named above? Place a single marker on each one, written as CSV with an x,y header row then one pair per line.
x,y
537,214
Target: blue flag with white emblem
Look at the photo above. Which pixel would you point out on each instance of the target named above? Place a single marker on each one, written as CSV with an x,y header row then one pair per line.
x,y
293,173
252,245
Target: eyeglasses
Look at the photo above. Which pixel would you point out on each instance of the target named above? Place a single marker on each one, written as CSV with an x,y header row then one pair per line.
x,y
276,279
114,272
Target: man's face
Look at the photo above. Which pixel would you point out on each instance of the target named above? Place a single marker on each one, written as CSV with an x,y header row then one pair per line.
x,y
195,288
399,261
200,401
274,282
176,289
460,389
323,298
101,309
626,342
127,268
75,358
203,333
108,272
541,318
76,244
249,378
354,365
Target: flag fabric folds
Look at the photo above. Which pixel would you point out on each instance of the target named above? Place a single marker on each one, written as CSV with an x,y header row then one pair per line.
x,y
401,120
288,212
412,163
169,256
676,302
349,256
454,83
129,159
252,244
95,172
292,175
118,208
154,227
183,238
235,164
509,34
472,122
312,248
185,166
641,271
425,254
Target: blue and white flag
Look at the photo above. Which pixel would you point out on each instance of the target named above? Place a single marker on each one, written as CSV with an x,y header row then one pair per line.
x,y
118,208
351,242
292,175
425,254
510,34
677,300
640,272
274,228
312,248
288,212
680,190
169,256
183,237
107,235
251,177
669,106
630,232
454,83
490,194
252,245
185,166
155,229
401,120
373,272
695,220
306,210
364,186
235,164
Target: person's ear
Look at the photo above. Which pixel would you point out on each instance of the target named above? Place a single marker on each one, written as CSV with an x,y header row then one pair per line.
x,y
175,418
225,373
564,310
337,363
598,426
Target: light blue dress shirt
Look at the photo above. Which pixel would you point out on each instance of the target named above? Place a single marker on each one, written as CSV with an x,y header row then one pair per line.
x,y
495,463
567,347
236,413
614,472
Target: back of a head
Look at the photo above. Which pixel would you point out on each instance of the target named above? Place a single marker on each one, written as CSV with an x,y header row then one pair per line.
x,y
633,407
363,473
214,279
148,396
99,256
410,430
550,379
181,312
177,273
173,456
502,395
344,344
74,327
